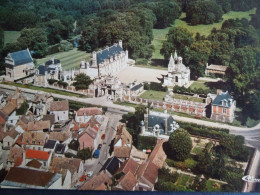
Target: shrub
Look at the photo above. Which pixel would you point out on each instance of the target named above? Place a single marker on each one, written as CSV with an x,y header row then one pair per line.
x,y
74,145
51,81
23,109
145,142
63,84
70,155
84,154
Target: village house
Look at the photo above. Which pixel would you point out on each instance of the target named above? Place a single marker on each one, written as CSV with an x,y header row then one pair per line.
x,y
60,109
34,140
83,115
138,155
129,165
147,173
29,178
223,107
63,136
41,103
178,73
88,139
39,126
127,182
18,65
101,181
9,138
15,157
111,166
122,143
10,114
217,70
75,166
50,145
41,156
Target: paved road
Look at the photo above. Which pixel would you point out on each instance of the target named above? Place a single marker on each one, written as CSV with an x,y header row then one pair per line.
x,y
100,101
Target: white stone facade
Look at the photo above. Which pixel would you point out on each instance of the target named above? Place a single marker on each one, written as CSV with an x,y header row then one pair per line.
x,y
178,73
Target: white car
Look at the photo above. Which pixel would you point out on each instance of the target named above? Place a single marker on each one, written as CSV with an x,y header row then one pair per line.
x,y
90,173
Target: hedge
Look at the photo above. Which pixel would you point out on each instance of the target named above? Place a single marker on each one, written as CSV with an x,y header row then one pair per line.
x,y
146,142
155,86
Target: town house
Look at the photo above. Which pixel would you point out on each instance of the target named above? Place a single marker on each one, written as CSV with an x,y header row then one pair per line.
x,y
60,109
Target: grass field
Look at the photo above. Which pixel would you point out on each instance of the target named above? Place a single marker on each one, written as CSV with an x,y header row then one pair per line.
x,y
190,98
199,84
160,34
11,36
154,95
69,59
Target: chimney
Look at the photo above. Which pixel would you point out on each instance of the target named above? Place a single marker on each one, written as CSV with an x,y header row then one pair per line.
x,y
219,91
166,126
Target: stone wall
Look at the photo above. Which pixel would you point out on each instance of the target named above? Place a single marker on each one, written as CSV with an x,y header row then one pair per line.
x,y
176,105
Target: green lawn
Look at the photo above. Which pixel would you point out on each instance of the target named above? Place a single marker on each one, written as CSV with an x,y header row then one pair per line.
x,y
48,90
186,97
213,186
197,150
160,34
11,36
199,84
69,59
154,95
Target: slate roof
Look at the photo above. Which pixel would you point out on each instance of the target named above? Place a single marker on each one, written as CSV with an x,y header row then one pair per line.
x,y
50,62
154,119
221,97
112,165
59,105
42,70
106,53
29,178
50,144
135,88
60,148
21,57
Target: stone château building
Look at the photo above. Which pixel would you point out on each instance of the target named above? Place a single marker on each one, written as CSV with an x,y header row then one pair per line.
x,y
223,107
18,65
106,62
178,73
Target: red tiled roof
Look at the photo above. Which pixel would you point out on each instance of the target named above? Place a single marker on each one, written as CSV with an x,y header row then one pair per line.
x,y
9,108
129,165
122,152
39,125
76,128
36,154
128,181
89,111
18,161
59,105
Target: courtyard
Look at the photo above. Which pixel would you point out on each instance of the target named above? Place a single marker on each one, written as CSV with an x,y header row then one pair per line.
x,y
132,73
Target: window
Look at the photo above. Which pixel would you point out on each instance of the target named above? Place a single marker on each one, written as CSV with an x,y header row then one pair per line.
x,y
44,163
39,148
224,110
33,142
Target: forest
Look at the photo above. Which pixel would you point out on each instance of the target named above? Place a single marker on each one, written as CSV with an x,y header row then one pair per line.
x,y
50,26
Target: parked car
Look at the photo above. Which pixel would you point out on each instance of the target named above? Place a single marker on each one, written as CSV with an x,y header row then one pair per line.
x,y
99,146
90,173
96,154
83,178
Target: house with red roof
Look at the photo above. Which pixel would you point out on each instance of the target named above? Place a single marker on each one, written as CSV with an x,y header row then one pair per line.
x,y
83,115
41,156
60,109
88,138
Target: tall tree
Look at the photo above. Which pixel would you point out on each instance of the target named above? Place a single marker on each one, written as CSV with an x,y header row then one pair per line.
x,y
178,39
180,144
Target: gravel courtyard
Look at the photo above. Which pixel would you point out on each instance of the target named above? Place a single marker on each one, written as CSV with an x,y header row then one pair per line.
x,y
132,73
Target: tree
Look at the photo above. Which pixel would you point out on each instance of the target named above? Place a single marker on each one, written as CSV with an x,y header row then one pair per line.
x,y
180,144
178,39
82,81
84,154
23,108
203,12
74,145
65,46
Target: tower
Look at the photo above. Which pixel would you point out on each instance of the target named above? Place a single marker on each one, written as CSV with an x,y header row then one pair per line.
x,y
94,59
171,65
